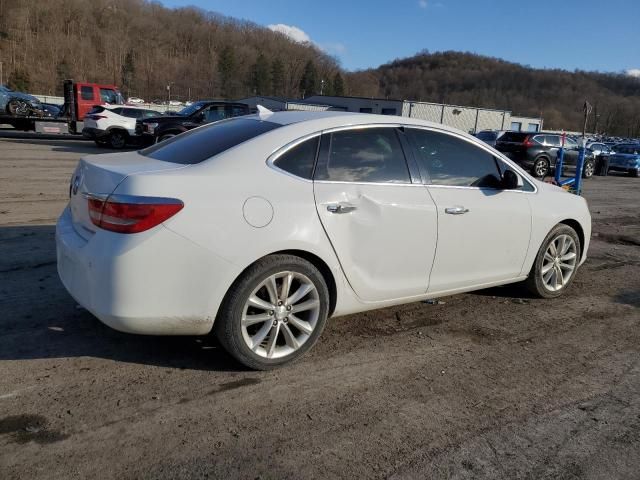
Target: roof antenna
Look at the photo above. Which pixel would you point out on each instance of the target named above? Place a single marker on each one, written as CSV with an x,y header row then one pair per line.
x,y
263,111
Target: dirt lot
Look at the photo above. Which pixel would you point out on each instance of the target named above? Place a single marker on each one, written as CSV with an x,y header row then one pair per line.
x,y
486,385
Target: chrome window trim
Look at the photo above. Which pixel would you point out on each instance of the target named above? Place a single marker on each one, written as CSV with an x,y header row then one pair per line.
x,y
271,159
282,150
485,147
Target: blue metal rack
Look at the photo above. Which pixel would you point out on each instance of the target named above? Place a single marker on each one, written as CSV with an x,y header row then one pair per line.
x,y
575,183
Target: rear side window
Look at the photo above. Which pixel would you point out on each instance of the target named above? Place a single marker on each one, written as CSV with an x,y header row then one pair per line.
x,y
363,155
299,160
86,93
117,111
131,112
452,161
202,143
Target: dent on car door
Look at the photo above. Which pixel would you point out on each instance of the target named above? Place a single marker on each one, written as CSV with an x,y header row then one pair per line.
x,y
382,226
483,229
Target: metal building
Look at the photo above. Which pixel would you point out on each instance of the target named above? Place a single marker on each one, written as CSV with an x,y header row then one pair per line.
x,y
468,119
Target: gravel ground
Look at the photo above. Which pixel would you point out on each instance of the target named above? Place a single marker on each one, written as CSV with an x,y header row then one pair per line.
x,y
492,384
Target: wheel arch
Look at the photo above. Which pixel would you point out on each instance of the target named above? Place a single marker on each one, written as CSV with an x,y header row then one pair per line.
x,y
314,260
570,222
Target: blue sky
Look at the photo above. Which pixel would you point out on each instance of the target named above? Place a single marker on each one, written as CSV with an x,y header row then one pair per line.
x,y
569,34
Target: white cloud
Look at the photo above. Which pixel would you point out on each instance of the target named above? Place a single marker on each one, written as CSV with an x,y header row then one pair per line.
x,y
294,33
634,72
422,3
300,36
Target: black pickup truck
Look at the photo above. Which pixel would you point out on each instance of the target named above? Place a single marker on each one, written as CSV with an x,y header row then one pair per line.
x,y
157,129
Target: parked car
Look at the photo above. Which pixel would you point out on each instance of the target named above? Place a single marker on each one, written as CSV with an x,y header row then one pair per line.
x,y
114,126
135,100
199,113
598,148
490,136
626,158
19,104
260,227
538,152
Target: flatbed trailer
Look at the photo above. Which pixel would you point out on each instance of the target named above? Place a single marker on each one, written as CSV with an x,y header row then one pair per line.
x,y
78,100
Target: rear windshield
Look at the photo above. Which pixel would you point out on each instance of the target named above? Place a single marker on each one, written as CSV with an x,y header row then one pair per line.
x,y
516,137
202,143
487,135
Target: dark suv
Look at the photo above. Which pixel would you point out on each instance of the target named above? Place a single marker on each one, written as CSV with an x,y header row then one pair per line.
x,y
538,152
198,113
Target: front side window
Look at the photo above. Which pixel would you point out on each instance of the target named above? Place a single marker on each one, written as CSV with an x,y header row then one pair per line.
x,y
451,161
299,160
363,155
108,96
86,93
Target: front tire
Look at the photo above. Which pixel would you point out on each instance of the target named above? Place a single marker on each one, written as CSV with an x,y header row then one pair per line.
x,y
556,264
589,169
17,108
274,313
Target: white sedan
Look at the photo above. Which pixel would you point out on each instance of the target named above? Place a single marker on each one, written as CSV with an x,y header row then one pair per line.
x,y
259,228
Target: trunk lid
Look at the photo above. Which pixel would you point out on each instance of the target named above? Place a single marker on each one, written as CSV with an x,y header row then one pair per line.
x,y
99,175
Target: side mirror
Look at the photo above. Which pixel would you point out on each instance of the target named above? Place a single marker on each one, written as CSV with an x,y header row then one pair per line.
x,y
509,180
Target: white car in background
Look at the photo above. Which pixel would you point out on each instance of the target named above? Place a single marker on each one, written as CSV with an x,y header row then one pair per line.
x,y
259,228
135,100
114,125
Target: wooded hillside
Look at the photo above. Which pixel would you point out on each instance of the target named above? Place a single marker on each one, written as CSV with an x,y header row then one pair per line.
x,y
142,47
468,79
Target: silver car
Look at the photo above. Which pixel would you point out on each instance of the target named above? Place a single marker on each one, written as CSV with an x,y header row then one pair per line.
x,y
19,104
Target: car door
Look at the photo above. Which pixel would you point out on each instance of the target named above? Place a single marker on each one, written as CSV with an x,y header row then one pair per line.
x,y
483,230
382,226
570,152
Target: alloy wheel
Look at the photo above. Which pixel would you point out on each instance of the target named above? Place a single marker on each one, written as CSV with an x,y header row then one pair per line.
x,y
559,262
541,168
280,314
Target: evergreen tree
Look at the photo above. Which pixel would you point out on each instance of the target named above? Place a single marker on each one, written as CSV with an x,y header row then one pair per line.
x,y
127,72
260,76
63,72
338,85
226,71
19,80
309,80
277,77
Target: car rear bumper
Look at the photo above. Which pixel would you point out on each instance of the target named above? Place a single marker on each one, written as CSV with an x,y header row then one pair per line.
x,y
154,283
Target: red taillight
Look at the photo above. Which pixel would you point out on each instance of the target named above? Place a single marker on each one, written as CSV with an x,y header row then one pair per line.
x,y
528,142
132,217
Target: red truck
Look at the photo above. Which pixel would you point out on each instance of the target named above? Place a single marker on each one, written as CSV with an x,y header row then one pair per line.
x,y
79,99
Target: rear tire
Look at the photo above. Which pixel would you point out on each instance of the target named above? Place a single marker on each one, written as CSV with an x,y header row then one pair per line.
x,y
540,167
589,169
117,139
556,264
17,108
273,313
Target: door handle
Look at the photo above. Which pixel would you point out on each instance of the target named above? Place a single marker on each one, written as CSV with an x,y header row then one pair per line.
x,y
340,207
456,210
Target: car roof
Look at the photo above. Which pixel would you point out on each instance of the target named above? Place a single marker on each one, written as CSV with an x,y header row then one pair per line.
x,y
331,119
